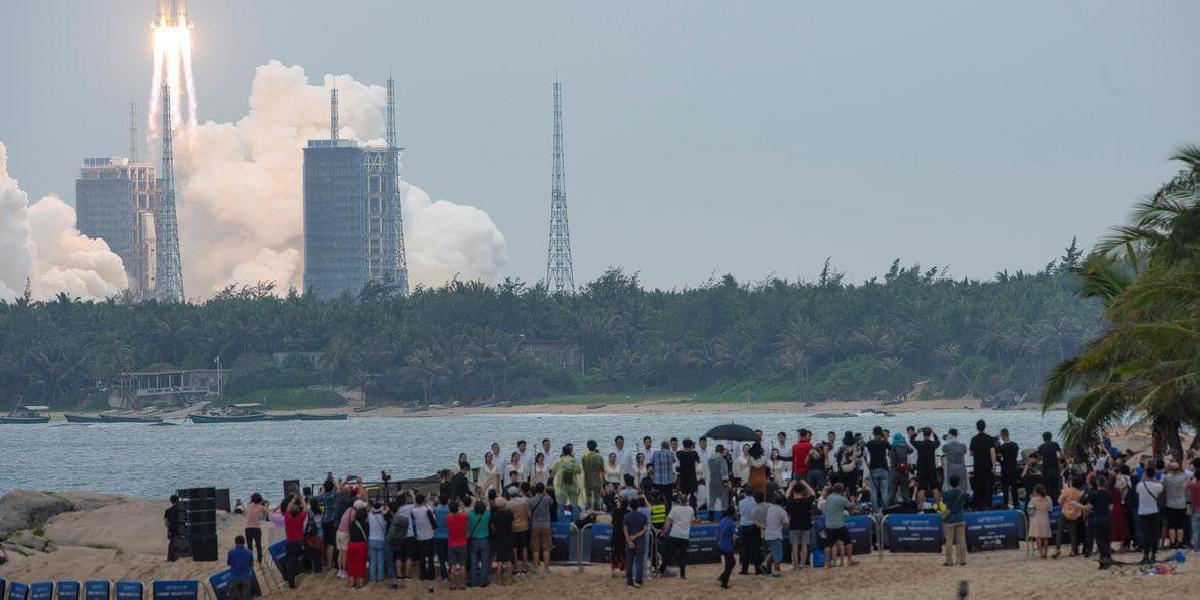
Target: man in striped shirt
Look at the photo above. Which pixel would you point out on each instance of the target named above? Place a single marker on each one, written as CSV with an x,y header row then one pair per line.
x,y
663,462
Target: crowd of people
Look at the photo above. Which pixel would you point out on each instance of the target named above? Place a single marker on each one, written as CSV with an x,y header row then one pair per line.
x,y
491,523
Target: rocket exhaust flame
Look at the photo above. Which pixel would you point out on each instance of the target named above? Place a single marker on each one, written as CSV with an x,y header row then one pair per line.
x,y
172,63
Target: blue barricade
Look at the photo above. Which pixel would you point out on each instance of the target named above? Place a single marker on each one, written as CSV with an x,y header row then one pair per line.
x,y
861,529
18,591
601,543
68,590
129,590
96,589
219,582
42,590
561,541
913,532
994,530
175,590
3,586
278,552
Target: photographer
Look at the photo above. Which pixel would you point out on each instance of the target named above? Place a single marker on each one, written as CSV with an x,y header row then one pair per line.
x,y
836,506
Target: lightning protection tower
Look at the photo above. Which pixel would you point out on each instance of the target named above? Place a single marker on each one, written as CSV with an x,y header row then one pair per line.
x,y
560,275
170,272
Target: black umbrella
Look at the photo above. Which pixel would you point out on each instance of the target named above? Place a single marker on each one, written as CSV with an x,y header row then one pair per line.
x,y
732,432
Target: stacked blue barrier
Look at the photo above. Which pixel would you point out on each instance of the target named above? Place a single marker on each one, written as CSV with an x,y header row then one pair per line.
x,y
994,530
68,590
175,590
860,527
42,590
128,590
96,589
913,532
18,591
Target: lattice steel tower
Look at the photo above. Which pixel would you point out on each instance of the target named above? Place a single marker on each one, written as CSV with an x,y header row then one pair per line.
x,y
169,271
560,275
396,203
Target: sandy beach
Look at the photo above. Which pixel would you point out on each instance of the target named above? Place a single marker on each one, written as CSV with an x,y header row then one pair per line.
x,y
125,539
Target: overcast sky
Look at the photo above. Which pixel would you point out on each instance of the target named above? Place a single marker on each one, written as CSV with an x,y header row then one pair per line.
x,y
701,137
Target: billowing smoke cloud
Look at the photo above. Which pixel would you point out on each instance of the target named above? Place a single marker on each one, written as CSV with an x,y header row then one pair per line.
x,y
241,200
40,244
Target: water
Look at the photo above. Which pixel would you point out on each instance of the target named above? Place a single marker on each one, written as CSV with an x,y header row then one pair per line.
x,y
153,462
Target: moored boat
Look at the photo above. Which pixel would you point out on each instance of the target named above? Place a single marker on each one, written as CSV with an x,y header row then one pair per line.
x,y
26,415
82,418
323,417
284,417
128,418
234,413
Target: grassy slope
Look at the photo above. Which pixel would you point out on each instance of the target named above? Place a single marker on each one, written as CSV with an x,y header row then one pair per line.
x,y
291,399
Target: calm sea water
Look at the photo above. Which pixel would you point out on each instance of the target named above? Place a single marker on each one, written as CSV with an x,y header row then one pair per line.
x,y
146,461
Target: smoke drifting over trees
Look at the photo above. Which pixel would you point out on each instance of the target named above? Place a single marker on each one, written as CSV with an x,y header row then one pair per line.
x,y
241,191
39,244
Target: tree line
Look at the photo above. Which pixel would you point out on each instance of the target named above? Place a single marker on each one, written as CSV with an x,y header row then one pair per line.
x,y
475,343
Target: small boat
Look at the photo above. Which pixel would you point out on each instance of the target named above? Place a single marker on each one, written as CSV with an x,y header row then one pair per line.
x,y
234,413
322,417
129,418
26,415
82,418
284,417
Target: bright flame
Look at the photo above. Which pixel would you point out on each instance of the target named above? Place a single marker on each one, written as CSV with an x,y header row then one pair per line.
x,y
172,62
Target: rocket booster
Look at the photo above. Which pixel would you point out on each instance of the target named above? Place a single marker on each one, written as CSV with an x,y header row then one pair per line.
x,y
171,13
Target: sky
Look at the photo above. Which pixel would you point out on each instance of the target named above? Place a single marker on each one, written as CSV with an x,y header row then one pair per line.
x,y
702,137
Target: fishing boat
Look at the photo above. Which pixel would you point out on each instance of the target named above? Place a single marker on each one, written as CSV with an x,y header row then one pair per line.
x,y
82,418
323,417
234,413
129,418
284,417
26,415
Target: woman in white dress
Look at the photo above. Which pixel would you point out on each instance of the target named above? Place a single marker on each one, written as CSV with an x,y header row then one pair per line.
x,y
640,463
514,464
540,473
489,475
612,470
779,468
741,466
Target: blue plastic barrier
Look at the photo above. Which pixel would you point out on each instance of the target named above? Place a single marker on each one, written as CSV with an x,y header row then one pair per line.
x,y
18,591
561,541
96,589
601,543
3,586
42,590
129,590
278,552
68,590
913,532
219,582
994,530
175,590
861,528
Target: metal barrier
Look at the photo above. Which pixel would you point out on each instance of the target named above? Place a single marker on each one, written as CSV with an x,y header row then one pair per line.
x,y
579,544
878,520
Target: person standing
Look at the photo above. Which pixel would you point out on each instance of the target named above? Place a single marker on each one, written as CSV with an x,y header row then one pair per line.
x,y
678,528
1099,501
1193,490
773,524
293,526
751,551
1050,454
567,475
954,460
625,456
901,467
877,464
800,452
1149,491
356,546
256,513
171,521
617,560
1009,455
800,499
456,544
983,456
241,570
662,464
717,480
519,505
726,536
460,483
1039,523
636,529
954,523
441,535
835,505
688,461
1072,521
424,526
593,476
539,529
479,550
376,541
1175,505
501,541
926,448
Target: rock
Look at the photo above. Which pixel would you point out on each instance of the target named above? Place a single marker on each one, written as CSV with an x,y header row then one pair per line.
x,y
27,539
25,509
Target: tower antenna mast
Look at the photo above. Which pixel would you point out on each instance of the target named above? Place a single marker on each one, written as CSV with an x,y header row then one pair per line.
x,y
560,275
132,132
170,271
333,114
394,200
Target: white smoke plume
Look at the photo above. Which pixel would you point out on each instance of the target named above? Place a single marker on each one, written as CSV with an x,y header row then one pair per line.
x,y
241,198
40,244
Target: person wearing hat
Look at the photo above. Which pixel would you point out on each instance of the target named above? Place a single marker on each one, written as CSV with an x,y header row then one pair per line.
x,y
356,547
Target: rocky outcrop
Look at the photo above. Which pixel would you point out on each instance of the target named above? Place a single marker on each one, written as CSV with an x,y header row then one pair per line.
x,y
25,509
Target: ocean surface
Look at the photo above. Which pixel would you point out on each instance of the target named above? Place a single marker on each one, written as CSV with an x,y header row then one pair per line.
x,y
153,462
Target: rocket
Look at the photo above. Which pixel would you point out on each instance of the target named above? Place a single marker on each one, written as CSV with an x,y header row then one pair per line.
x,y
171,13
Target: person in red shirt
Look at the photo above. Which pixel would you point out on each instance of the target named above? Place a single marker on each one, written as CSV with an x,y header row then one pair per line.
x,y
800,452
456,545
293,528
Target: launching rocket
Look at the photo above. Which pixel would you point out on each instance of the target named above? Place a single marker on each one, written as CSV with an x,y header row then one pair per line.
x,y
171,13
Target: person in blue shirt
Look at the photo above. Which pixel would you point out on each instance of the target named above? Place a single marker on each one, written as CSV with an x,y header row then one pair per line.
x,y
955,525
441,536
726,535
637,530
241,570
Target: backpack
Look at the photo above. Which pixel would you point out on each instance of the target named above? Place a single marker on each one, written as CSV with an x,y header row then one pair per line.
x,y
849,460
398,530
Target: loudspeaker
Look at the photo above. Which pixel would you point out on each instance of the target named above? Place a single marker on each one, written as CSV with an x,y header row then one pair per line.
x,y
223,500
204,549
291,487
